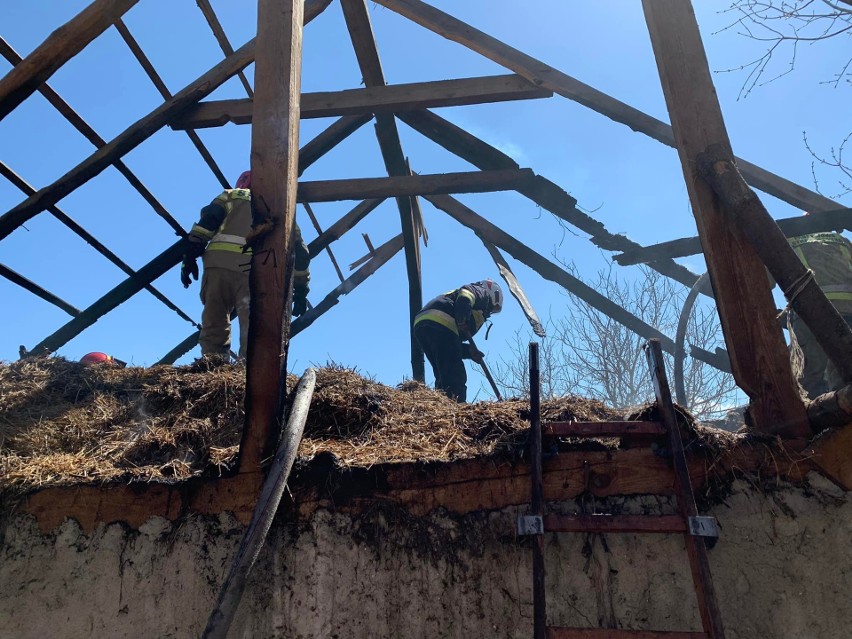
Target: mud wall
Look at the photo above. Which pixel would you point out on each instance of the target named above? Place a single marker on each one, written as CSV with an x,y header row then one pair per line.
x,y
782,569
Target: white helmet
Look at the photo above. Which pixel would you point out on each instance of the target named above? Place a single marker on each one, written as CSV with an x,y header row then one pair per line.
x,y
495,294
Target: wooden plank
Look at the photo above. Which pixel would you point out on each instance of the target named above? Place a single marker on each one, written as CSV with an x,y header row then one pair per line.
x,y
91,135
35,289
603,429
613,633
537,494
137,133
339,228
118,295
155,78
546,76
540,190
615,523
221,38
274,176
699,562
515,288
756,347
330,138
383,254
59,47
837,220
328,250
407,185
361,33
389,98
18,181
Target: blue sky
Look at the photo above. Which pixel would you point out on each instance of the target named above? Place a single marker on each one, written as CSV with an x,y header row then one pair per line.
x,y
631,183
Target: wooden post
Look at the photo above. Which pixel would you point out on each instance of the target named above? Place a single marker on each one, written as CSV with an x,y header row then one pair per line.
x,y
759,356
59,47
274,167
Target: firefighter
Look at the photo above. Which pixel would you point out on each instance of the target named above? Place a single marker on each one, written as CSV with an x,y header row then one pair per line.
x,y
220,236
829,256
444,324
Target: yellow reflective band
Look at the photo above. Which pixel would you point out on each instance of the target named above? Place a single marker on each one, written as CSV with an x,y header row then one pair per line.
x,y
301,273
225,246
200,231
468,295
839,296
439,317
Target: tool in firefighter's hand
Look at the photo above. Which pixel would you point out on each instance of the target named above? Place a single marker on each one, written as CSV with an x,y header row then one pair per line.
x,y
481,361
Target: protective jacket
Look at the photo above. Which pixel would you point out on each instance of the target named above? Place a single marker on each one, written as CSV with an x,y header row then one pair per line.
x,y
829,256
462,310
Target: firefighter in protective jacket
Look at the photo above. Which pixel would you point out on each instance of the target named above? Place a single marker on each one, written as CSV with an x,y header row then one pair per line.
x,y
829,256
220,236
446,322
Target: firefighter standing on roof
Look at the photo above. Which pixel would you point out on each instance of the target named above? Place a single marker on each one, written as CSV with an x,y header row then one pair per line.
x,y
446,322
220,236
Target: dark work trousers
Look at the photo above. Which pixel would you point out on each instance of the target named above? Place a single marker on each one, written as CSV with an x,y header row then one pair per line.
x,y
443,349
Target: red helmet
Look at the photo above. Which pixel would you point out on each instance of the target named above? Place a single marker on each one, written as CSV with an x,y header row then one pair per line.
x,y
244,181
90,359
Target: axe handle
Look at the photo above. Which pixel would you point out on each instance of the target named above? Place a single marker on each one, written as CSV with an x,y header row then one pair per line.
x,y
487,372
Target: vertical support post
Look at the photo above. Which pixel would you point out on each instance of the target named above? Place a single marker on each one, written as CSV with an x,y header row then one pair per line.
x,y
539,602
759,356
274,166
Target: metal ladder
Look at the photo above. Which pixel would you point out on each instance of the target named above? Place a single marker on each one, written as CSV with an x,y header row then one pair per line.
x,y
694,527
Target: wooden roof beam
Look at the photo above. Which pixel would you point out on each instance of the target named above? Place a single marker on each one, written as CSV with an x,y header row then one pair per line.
x,y
546,76
406,186
515,288
361,33
35,289
345,223
756,347
59,47
91,135
838,220
87,237
221,38
379,99
155,78
138,132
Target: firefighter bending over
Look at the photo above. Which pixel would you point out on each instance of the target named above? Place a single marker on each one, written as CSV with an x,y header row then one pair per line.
x,y
220,236
444,324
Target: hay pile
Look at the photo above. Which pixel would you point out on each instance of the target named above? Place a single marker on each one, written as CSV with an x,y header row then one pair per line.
x,y
61,422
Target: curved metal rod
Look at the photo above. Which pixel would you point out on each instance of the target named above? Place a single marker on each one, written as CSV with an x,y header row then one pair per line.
x,y
680,337
261,520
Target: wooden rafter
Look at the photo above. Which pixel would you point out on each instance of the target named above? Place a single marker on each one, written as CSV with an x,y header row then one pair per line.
x,y
515,288
35,289
91,135
87,237
319,230
157,81
540,190
59,47
391,98
756,347
337,230
361,33
137,133
408,185
546,76
221,38
838,220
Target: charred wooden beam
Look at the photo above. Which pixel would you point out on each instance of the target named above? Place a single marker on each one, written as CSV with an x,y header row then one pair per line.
x,y
221,38
328,250
383,254
838,220
336,230
274,175
361,33
138,132
404,186
59,47
545,76
35,289
155,78
795,279
89,133
515,288
87,237
378,99
540,190
330,138
756,346
118,295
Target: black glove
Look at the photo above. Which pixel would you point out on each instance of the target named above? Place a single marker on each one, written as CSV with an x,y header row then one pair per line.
x,y
470,352
300,302
187,269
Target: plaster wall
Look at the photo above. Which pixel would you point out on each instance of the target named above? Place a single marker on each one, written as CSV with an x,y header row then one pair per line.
x,y
782,569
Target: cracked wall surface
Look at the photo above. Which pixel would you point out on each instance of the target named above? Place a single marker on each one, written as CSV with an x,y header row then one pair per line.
x,y
782,569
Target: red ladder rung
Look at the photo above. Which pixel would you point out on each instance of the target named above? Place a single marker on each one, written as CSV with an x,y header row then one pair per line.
x,y
615,523
602,429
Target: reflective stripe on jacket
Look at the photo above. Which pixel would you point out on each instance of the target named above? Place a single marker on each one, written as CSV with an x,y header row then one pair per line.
x,y
444,309
829,256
